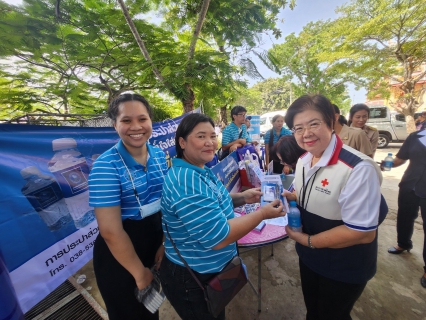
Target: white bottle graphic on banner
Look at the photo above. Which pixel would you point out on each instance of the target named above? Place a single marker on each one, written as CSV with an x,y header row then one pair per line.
x,y
46,197
71,171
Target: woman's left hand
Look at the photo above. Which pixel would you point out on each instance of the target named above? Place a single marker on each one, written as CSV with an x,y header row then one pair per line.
x,y
159,257
296,236
252,195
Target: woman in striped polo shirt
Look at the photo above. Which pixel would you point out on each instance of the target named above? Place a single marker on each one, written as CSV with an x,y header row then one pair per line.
x,y
199,214
125,190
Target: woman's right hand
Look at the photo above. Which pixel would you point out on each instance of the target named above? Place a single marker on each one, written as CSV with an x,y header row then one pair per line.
x,y
273,210
144,279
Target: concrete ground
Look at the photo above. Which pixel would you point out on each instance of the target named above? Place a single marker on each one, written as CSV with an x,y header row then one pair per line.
x,y
394,293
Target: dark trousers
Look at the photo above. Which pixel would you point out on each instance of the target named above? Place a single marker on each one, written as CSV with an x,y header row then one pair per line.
x,y
116,285
408,211
325,298
183,292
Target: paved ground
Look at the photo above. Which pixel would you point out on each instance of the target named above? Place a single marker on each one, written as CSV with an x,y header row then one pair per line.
x,y
394,293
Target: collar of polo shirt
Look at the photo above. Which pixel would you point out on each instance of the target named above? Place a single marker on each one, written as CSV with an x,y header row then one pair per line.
x,y
128,159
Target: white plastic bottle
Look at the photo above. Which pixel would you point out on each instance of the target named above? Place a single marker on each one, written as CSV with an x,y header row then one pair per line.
x,y
46,198
294,217
388,162
71,171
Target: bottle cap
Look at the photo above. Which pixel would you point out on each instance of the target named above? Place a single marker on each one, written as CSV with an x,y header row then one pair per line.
x,y
30,171
293,203
64,143
390,154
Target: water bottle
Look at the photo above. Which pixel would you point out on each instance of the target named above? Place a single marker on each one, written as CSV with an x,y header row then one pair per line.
x,y
71,171
46,198
388,162
294,217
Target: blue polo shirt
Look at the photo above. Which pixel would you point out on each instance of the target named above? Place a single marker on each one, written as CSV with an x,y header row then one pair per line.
x,y
196,207
232,133
110,185
284,132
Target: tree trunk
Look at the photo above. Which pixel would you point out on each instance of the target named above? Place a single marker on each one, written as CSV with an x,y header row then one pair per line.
x,y
222,116
139,40
188,103
411,126
197,30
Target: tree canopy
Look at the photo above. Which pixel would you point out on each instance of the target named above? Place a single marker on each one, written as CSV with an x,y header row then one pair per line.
x,y
299,59
384,43
79,61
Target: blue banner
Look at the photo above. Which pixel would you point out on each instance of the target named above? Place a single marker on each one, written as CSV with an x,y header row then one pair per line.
x,y
227,172
47,228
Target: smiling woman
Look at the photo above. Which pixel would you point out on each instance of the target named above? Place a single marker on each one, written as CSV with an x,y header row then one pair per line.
x,y
199,214
338,193
125,189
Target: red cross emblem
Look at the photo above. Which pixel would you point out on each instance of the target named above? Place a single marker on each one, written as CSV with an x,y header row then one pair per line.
x,y
324,182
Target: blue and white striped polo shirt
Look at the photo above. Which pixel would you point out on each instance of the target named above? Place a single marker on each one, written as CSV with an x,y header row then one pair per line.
x,y
284,132
232,133
196,207
110,185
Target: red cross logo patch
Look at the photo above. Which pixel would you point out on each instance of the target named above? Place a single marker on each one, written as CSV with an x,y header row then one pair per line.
x,y
324,182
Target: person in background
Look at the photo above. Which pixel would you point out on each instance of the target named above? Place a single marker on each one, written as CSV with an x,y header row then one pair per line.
x,y
337,190
248,125
235,134
358,116
200,219
288,152
412,194
247,122
125,186
271,137
421,121
352,137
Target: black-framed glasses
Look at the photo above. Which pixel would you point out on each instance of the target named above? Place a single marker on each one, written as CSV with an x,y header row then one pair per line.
x,y
241,114
313,126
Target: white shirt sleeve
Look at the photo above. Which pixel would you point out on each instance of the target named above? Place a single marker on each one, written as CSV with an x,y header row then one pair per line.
x,y
360,198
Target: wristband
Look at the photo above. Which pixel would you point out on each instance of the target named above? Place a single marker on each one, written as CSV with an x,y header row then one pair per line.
x,y
310,243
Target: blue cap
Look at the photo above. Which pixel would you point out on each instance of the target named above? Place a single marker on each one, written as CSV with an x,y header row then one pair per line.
x,y
249,117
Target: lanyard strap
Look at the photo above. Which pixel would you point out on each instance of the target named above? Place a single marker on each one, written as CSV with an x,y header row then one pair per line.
x,y
183,260
305,188
151,208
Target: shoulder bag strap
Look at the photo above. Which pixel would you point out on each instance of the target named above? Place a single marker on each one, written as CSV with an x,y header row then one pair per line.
x,y
183,260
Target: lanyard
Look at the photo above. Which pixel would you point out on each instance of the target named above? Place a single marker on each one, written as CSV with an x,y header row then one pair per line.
x,y
134,187
305,188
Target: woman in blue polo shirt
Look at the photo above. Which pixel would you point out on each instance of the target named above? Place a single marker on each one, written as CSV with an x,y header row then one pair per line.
x,y
199,214
272,136
125,190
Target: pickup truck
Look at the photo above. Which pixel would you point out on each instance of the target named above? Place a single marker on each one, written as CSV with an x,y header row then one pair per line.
x,y
390,124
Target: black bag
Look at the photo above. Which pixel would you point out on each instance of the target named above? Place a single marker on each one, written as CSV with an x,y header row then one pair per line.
x,y
224,286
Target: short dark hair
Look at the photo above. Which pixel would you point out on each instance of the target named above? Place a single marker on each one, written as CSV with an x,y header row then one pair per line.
x,y
186,126
288,149
315,102
357,107
236,110
114,104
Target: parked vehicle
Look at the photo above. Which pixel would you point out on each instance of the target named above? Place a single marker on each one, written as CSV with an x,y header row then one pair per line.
x,y
390,124
266,118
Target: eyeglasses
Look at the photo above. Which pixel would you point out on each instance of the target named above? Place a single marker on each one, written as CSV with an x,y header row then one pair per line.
x,y
313,126
241,114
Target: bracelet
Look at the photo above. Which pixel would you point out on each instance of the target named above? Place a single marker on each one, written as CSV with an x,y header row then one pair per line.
x,y
310,243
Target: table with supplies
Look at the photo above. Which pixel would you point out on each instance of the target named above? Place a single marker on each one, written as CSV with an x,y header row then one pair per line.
x,y
272,232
